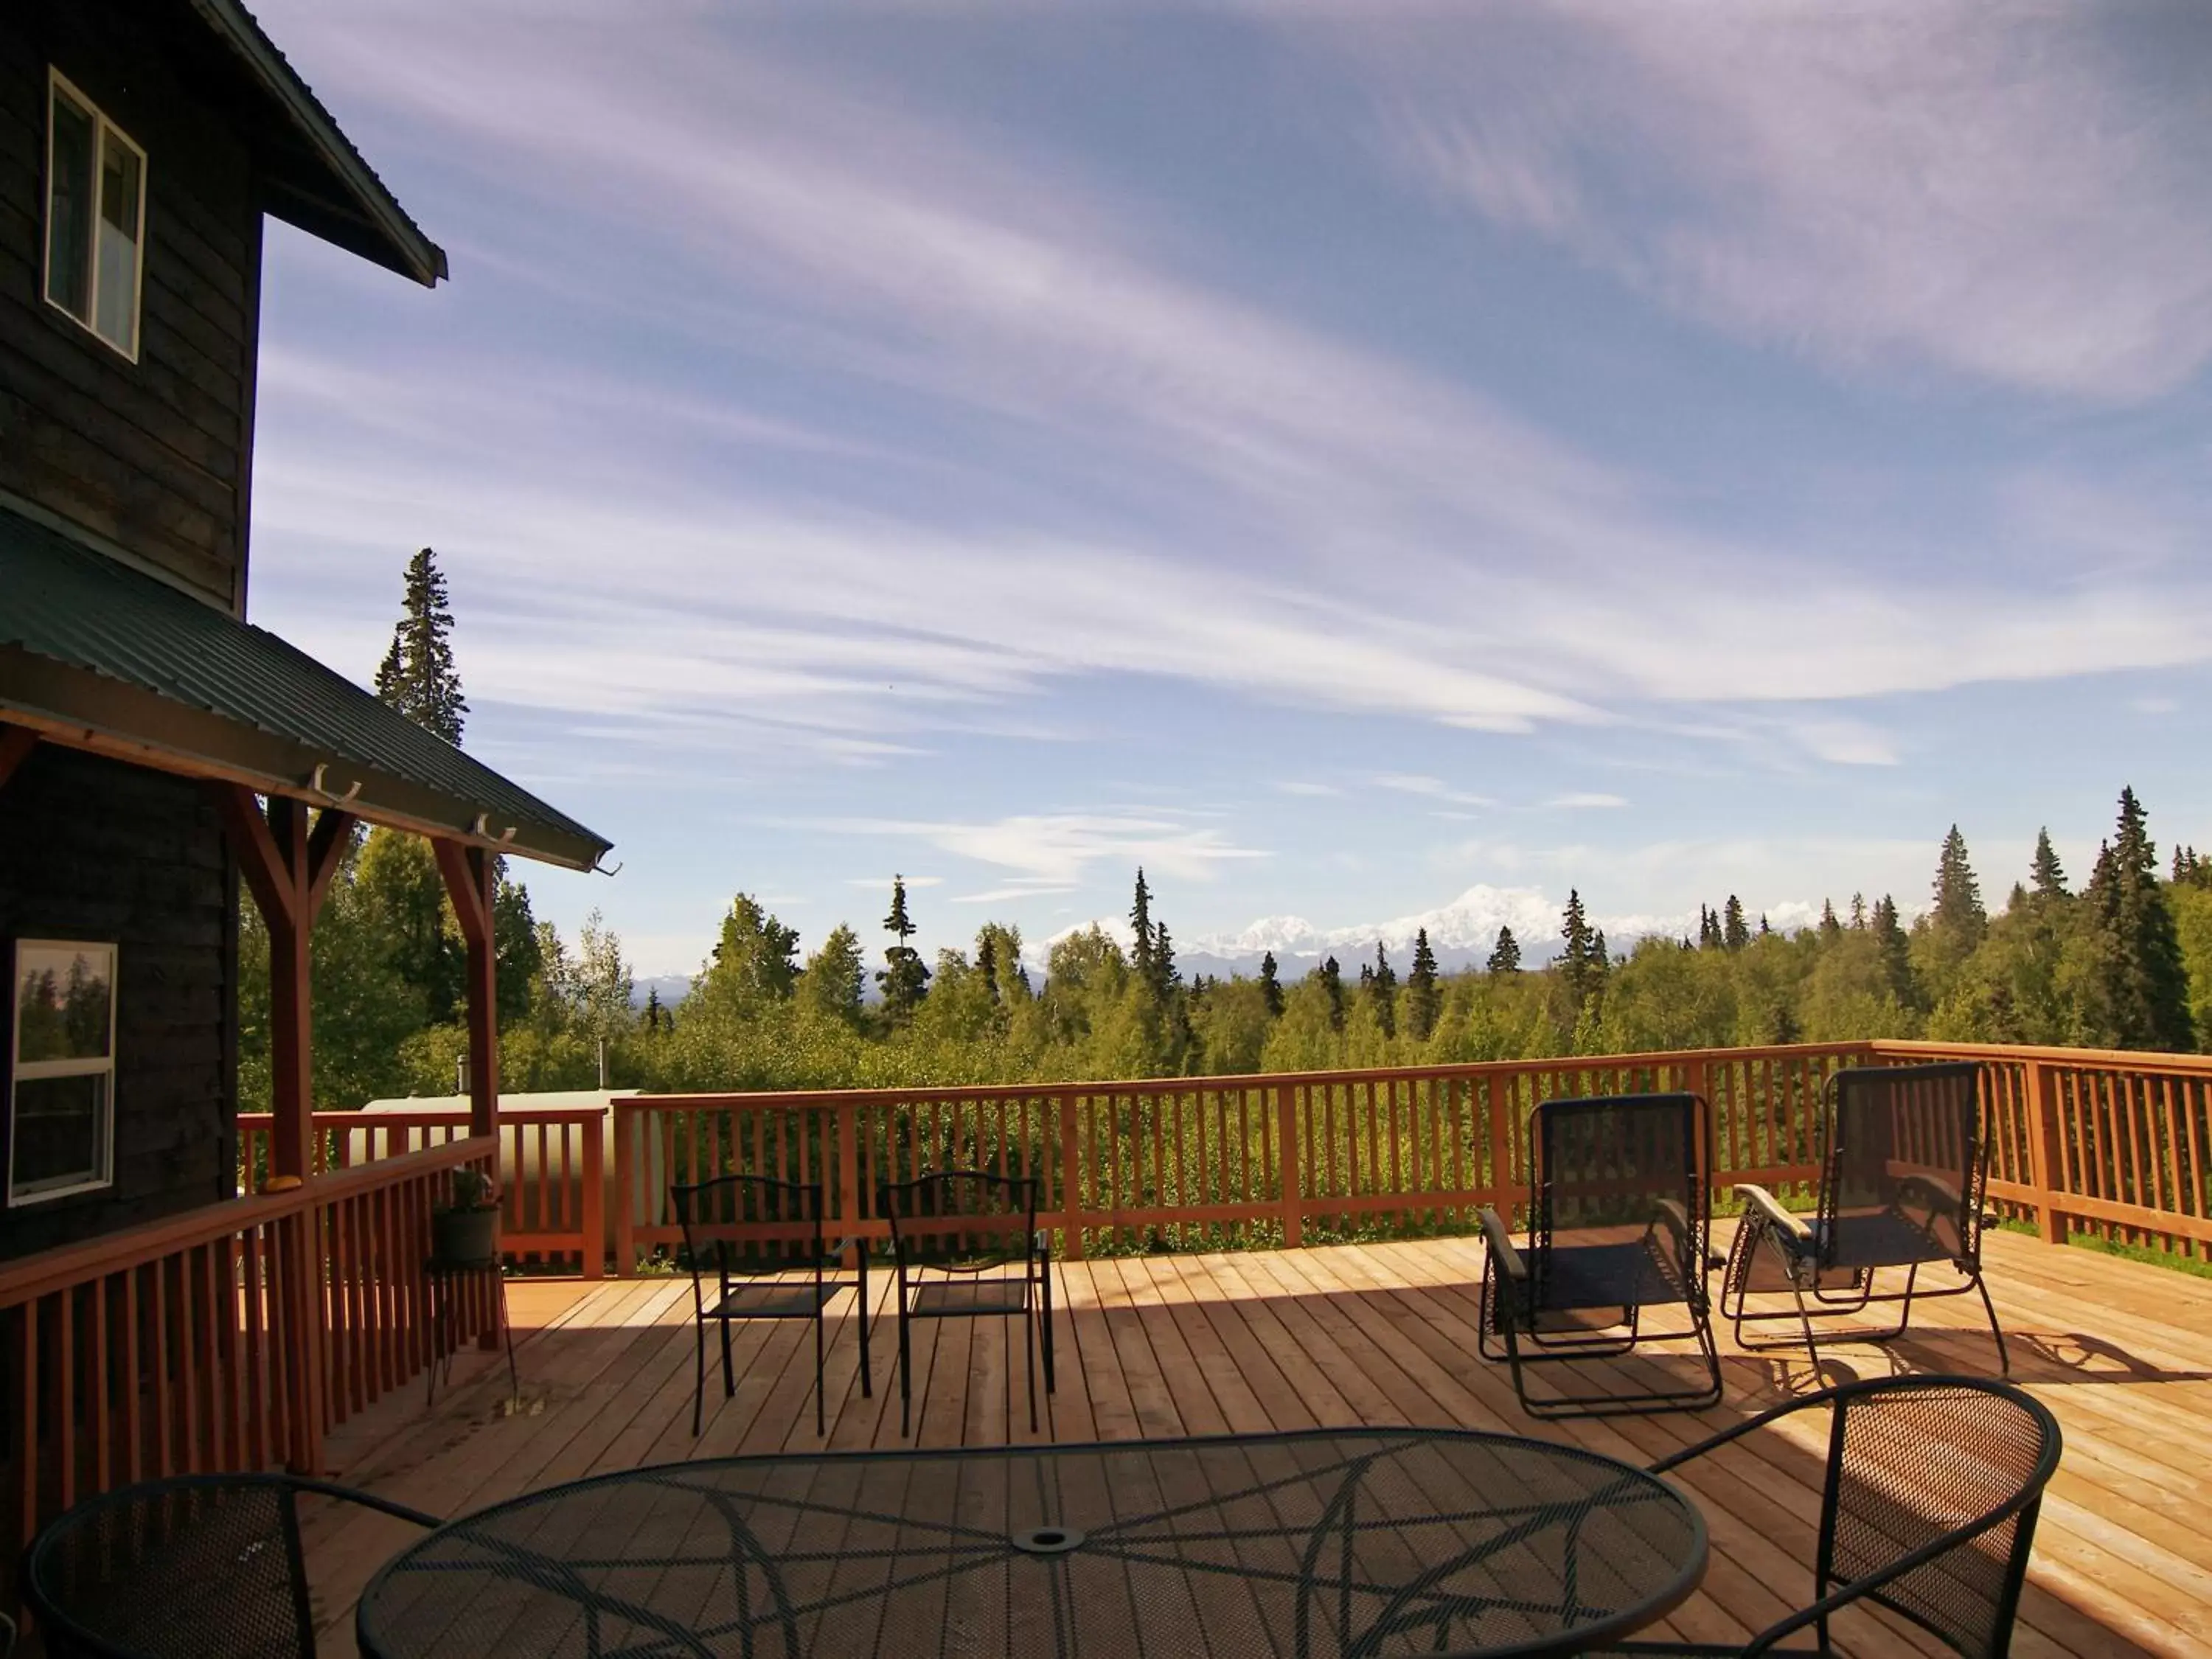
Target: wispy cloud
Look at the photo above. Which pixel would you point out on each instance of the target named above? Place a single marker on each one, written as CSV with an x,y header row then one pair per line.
x,y
1296,786
1414,783
1996,191
1587,798
1057,850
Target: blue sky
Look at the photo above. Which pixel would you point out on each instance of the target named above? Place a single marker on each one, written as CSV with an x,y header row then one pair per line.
x,y
1340,456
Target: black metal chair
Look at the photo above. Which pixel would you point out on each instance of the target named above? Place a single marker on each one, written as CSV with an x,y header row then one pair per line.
x,y
966,1246
1930,1507
1619,1222
197,1566
761,1242
1904,1166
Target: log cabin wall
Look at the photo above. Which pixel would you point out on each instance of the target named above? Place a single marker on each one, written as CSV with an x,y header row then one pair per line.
x,y
92,848
156,455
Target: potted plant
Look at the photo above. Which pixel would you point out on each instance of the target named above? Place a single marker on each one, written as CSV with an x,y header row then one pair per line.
x,y
467,1229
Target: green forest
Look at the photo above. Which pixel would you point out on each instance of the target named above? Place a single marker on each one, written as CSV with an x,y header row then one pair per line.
x,y
2121,959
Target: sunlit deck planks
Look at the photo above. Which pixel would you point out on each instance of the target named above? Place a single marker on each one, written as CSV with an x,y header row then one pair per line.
x,y
1380,1334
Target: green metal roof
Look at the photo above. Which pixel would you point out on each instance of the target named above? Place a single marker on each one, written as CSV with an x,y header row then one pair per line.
x,y
94,651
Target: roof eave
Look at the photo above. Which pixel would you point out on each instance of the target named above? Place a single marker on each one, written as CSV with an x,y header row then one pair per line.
x,y
383,232
83,710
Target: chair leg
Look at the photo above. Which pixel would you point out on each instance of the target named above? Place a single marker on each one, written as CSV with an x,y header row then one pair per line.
x,y
867,1384
507,1329
729,1373
906,1377
1028,1358
2004,1359
699,1379
820,1407
1049,1384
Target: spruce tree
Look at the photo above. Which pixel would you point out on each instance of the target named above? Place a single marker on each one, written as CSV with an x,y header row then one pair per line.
x,y
1424,1000
653,1012
2048,876
1858,913
2147,985
1270,986
1506,955
1578,964
1142,953
1380,982
1895,952
1958,916
1332,983
1735,934
1831,929
904,978
418,676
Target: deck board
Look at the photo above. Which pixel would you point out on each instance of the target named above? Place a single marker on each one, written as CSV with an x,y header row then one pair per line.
x,y
1375,1334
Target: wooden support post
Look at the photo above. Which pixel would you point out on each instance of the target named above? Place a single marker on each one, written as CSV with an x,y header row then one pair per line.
x,y
471,882
1071,1178
289,870
1287,1159
626,1185
2044,1139
16,743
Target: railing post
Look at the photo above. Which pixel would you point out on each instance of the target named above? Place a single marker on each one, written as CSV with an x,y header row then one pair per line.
x,y
848,1176
1693,1082
1504,1095
1287,1159
593,1211
625,1123
1071,1180
2044,1138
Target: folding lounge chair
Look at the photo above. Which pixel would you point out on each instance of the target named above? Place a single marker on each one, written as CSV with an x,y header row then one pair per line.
x,y
1904,1165
1619,1222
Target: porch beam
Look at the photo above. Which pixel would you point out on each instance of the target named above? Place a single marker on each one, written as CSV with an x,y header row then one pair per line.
x,y
16,743
471,881
287,867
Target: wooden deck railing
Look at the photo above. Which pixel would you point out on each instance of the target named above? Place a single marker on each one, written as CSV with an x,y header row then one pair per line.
x,y
235,1336
1188,1162
552,1168
2082,1140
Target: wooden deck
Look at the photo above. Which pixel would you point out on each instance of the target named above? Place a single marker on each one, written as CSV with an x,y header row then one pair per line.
x,y
1379,1333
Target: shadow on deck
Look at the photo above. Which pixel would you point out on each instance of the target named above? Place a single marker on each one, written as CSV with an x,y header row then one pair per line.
x,y
1360,1335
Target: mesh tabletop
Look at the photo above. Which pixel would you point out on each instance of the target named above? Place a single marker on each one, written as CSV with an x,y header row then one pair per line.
x,y
1310,1546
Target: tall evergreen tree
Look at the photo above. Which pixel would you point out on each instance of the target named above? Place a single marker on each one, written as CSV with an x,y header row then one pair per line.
x,y
1958,914
1424,998
1271,985
655,1015
1332,983
1735,934
829,985
1858,913
418,676
1380,982
1895,952
1580,968
1143,952
1831,929
2048,874
754,960
1506,955
904,978
2147,985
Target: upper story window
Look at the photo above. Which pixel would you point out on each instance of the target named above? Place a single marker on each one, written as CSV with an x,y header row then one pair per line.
x,y
95,218
61,1075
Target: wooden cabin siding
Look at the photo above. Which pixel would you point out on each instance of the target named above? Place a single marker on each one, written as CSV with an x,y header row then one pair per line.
x,y
94,849
156,455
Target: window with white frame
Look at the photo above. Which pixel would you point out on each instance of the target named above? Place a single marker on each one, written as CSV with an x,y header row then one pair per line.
x,y
95,218
61,1072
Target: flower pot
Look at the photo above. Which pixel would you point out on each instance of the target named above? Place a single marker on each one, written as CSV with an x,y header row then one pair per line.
x,y
464,1238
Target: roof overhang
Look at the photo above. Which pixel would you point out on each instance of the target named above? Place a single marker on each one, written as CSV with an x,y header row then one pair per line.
x,y
99,656
312,175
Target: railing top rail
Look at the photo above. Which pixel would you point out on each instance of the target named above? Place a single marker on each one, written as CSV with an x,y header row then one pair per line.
x,y
2131,1060
437,1118
69,1265
1246,1080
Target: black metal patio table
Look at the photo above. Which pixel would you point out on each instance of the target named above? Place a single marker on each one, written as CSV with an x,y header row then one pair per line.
x,y
1316,1544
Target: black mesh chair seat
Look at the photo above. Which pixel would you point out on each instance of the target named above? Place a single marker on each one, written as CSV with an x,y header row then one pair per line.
x,y
1594,1276
1928,1509
1904,1165
965,1245
1619,1222
756,1250
194,1567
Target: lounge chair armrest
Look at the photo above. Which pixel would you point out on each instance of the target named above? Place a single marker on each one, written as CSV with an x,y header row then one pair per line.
x,y
1769,1211
1508,1259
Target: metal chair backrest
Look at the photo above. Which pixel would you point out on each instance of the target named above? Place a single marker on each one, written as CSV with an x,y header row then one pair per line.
x,y
745,1226
1904,1146
192,1567
1947,1473
1622,1170
962,1221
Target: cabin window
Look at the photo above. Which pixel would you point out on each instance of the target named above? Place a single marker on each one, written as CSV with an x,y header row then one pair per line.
x,y
61,1076
96,218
